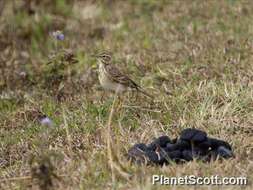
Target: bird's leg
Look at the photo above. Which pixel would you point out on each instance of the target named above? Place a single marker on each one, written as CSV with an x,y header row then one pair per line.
x,y
117,96
121,104
102,96
118,107
121,99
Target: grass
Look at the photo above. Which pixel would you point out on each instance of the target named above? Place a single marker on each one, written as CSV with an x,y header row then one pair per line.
x,y
194,57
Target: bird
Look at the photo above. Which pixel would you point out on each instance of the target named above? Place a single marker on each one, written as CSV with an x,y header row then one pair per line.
x,y
112,79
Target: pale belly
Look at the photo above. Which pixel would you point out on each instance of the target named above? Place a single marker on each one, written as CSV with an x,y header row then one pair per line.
x,y
109,85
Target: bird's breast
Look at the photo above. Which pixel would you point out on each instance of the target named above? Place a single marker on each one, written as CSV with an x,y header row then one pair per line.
x,y
108,84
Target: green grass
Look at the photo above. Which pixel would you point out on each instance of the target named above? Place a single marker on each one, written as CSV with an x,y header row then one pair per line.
x,y
194,57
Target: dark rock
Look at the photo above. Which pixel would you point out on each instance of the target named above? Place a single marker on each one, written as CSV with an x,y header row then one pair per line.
x,y
204,146
161,142
170,147
182,145
187,155
220,152
138,153
192,144
163,156
199,137
153,157
166,157
224,152
197,152
141,146
215,143
175,155
152,146
193,135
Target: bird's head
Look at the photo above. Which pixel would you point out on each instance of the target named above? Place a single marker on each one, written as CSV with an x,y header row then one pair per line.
x,y
104,57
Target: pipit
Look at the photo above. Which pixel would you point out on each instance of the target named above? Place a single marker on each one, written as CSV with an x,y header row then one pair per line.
x,y
112,79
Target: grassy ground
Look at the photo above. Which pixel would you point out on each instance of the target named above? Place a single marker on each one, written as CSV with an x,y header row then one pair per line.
x,y
195,57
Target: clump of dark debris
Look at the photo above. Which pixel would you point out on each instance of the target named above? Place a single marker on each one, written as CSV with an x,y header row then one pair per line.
x,y
192,144
43,171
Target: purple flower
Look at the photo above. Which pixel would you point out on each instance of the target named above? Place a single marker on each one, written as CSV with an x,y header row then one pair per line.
x,y
46,121
58,35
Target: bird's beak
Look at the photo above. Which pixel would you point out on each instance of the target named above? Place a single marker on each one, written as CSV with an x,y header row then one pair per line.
x,y
95,66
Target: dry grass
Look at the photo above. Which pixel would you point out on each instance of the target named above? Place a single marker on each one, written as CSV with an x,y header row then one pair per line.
x,y
195,57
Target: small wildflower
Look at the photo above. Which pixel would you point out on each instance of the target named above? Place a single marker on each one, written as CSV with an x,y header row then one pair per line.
x,y
23,74
46,121
58,35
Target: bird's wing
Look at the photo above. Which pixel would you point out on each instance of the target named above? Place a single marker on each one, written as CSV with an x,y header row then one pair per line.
x,y
117,76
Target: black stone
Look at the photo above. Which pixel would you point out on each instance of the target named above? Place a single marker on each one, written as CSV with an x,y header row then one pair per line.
x,y
137,153
215,143
192,144
159,142
204,147
163,140
164,158
175,155
182,145
170,147
224,152
141,146
187,155
193,135
153,157
152,146
200,152
199,137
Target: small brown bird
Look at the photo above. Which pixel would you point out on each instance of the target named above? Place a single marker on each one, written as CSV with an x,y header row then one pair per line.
x,y
111,78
